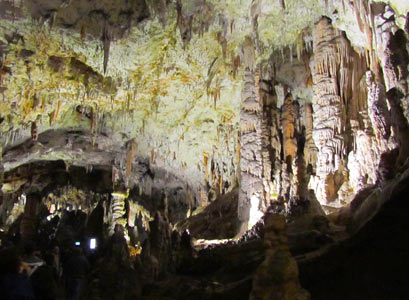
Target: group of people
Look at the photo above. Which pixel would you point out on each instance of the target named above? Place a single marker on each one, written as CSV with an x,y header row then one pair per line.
x,y
29,274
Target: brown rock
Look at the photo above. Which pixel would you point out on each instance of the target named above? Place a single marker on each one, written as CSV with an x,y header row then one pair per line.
x,y
277,276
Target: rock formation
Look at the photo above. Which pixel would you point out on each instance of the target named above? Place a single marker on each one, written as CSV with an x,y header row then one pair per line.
x,y
251,195
183,122
28,226
279,270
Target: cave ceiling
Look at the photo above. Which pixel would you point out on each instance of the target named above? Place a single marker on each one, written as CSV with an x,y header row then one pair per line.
x,y
160,77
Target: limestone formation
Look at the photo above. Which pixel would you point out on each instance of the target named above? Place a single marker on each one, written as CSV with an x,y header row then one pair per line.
x,y
251,195
277,275
310,150
288,122
329,112
166,117
117,211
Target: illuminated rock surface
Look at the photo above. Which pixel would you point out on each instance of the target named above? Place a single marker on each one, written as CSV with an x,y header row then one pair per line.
x,y
209,117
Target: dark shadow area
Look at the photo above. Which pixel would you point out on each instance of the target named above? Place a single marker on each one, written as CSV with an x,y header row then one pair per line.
x,y
373,264
52,174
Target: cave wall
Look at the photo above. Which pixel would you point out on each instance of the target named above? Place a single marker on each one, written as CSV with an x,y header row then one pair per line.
x,y
322,109
341,133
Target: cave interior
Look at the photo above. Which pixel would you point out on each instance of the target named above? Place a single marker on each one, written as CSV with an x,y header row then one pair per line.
x,y
206,149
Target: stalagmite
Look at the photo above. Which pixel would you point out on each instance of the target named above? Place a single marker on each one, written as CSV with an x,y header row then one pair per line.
x,y
310,150
392,53
329,112
106,41
268,99
276,277
288,118
251,195
379,114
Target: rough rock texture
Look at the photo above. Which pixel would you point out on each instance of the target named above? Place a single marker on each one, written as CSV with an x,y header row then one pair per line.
x,y
289,113
382,254
340,118
251,195
329,131
277,275
218,220
117,211
184,103
310,150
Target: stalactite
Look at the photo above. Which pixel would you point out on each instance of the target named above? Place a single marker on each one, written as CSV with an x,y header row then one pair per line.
x,y
34,131
106,41
92,121
56,113
152,157
130,157
184,24
223,43
205,158
357,6
53,17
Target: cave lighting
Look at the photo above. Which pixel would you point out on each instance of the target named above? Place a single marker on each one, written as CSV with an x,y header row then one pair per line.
x,y
92,244
255,213
202,243
52,208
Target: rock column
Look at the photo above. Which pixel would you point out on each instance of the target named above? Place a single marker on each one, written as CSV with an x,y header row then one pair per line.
x,y
277,276
251,195
288,119
310,150
329,111
392,52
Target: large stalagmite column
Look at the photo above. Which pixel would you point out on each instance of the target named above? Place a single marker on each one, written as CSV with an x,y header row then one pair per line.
x,y
379,114
251,195
288,118
276,277
329,111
